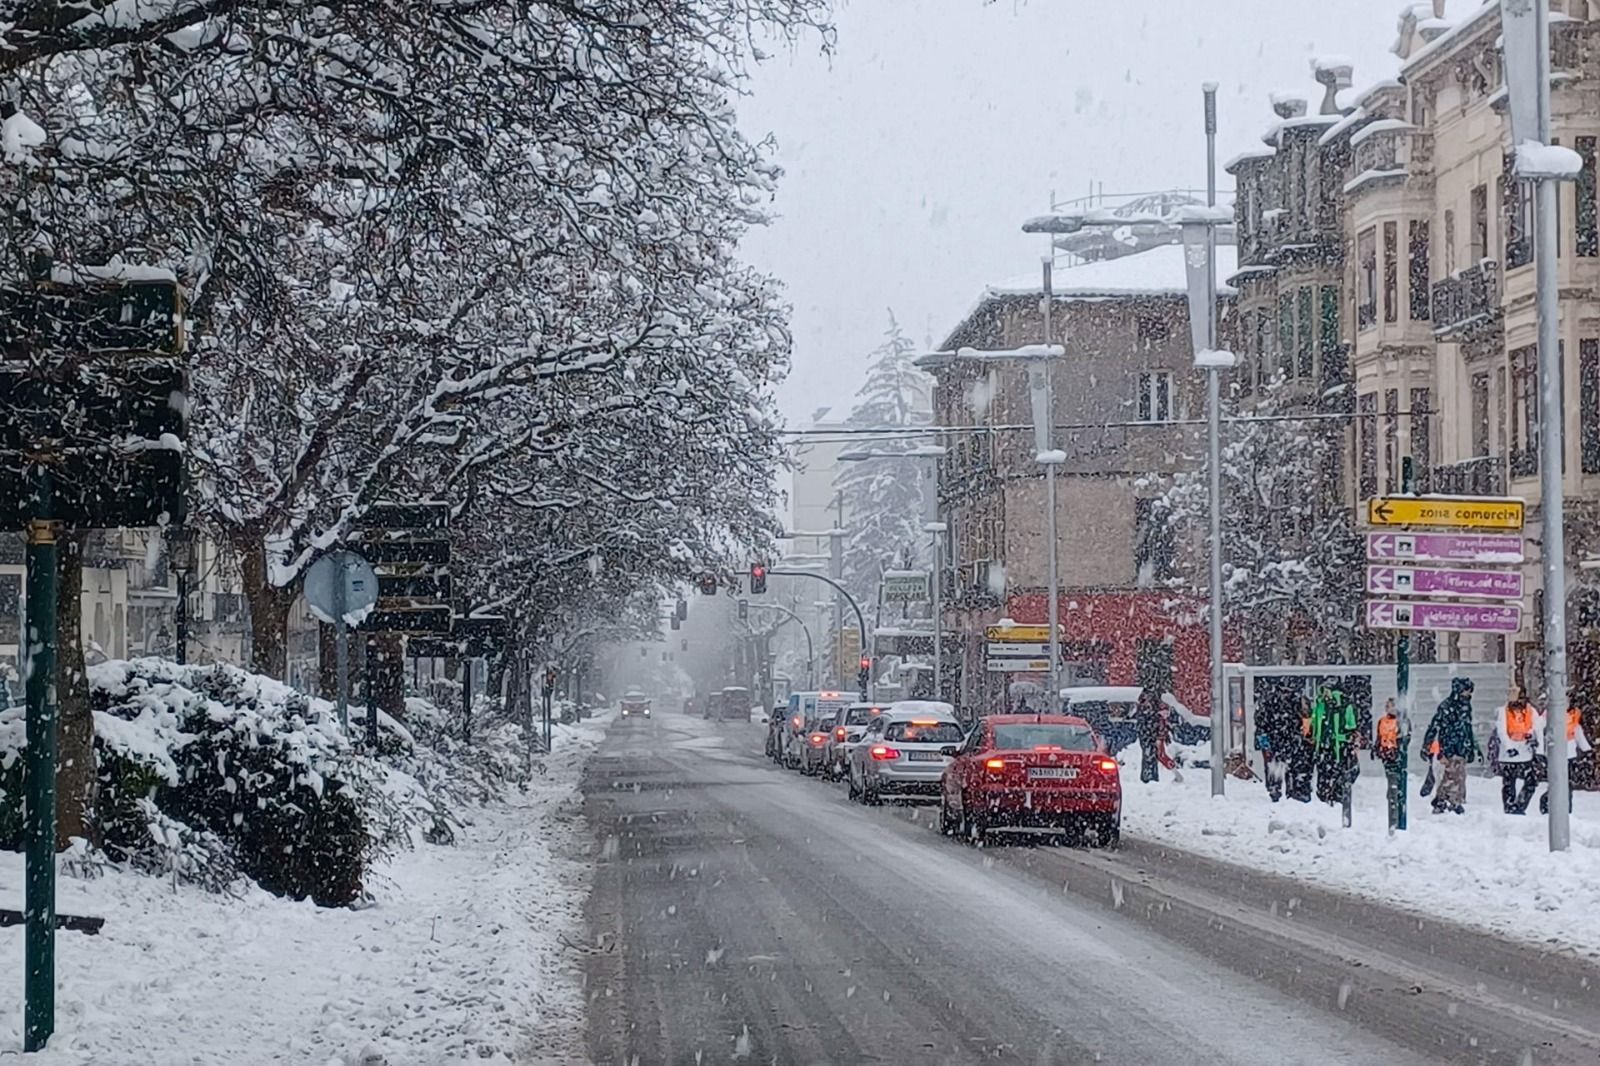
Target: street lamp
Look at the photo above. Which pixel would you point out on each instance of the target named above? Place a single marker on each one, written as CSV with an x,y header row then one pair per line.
x,y
181,557
933,453
1038,358
1525,30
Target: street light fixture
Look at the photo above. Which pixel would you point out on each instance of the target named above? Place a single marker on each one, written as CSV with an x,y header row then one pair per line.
x,y
181,557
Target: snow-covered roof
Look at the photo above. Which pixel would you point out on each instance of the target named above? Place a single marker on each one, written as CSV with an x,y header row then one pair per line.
x,y
918,708
1368,177
1382,125
1467,25
1102,694
1247,155
1159,271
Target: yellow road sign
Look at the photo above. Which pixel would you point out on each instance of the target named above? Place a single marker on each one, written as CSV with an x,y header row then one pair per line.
x,y
1448,512
1017,634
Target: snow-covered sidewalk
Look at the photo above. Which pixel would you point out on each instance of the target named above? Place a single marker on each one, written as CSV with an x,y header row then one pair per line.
x,y
462,959
1483,868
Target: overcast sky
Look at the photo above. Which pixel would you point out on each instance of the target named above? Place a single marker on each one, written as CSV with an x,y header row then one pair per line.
x,y
913,154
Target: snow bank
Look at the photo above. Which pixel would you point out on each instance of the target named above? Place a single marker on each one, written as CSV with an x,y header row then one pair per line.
x,y
1484,868
461,957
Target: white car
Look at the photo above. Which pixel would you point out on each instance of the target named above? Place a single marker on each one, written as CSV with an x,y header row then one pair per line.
x,y
901,753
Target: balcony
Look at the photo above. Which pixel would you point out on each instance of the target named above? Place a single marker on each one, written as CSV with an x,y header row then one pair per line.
x,y
1484,475
1467,304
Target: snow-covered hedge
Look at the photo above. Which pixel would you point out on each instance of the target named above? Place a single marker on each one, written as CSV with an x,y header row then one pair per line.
x,y
211,772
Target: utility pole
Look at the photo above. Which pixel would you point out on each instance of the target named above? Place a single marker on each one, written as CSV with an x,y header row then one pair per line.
x,y
1526,45
836,571
1049,457
1221,714
39,810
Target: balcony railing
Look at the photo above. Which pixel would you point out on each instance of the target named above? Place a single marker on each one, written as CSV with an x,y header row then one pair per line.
x,y
1467,303
1484,475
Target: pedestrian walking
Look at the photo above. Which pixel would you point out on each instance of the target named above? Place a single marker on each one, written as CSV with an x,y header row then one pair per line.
x,y
1149,723
1451,728
1333,734
1277,738
1389,745
1517,728
1577,741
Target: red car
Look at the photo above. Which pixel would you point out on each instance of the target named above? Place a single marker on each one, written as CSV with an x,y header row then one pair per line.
x,y
1031,771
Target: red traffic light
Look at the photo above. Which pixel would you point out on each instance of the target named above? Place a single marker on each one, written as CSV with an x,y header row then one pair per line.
x,y
866,662
758,578
708,583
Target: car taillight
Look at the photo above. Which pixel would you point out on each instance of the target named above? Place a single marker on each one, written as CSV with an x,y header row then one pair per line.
x,y
883,753
1108,764
798,721
994,764
838,734
819,738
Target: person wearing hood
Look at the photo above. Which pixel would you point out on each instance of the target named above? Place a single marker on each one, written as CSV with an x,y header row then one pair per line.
x,y
1333,734
1451,728
1517,728
1150,724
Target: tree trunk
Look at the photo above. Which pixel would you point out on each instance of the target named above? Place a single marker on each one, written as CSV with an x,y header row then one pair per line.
x,y
75,764
389,674
269,608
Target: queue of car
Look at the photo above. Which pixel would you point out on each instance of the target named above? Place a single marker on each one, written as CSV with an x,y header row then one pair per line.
x,y
1002,773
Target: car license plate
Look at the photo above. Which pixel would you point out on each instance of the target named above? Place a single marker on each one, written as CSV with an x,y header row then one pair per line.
x,y
925,756
1064,773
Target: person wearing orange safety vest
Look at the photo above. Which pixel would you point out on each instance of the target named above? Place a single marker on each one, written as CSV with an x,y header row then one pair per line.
x,y
1389,743
1518,727
1577,740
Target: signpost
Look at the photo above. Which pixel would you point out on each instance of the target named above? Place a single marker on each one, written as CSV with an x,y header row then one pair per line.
x,y
1018,649
339,587
1432,581
905,586
1445,547
1017,666
1447,512
1450,617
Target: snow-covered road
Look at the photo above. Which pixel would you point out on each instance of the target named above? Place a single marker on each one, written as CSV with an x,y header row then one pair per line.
x,y
743,913
462,959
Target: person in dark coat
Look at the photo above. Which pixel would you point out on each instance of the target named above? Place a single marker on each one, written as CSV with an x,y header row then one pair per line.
x,y
1149,724
1280,740
1452,728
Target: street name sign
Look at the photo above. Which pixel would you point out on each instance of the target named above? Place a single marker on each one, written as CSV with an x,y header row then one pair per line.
x,y
1450,617
1445,547
1432,581
998,650
1449,512
1017,634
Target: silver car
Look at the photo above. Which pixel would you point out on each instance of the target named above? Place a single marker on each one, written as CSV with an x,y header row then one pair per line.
x,y
846,731
901,754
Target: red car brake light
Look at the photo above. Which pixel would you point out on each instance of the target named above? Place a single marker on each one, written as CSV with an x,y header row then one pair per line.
x,y
838,733
994,764
883,753
819,739
798,721
1108,764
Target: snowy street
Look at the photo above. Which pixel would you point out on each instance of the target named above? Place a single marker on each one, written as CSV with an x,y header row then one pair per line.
x,y
741,911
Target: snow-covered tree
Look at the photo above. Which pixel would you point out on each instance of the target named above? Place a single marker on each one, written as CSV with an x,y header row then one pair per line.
x,y
1291,553
886,498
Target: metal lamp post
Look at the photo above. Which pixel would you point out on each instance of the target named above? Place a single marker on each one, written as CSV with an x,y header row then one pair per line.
x,y
181,557
1526,33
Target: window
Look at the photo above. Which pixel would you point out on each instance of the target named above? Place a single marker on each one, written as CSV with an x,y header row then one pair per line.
x,y
1154,546
1480,224
1011,737
1589,412
1391,439
1449,242
1480,413
1155,396
1421,441
1250,357
1367,258
1417,277
928,732
1286,334
1391,272
10,612
1525,411
1514,205
1306,349
1588,231
1263,346
1501,433
1367,430
1330,319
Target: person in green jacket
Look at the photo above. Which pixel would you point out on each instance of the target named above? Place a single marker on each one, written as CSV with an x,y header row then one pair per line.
x,y
1333,728
1452,728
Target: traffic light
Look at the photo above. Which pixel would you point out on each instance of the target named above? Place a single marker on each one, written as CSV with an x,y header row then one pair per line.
x,y
744,610
676,624
708,583
682,611
758,578
865,674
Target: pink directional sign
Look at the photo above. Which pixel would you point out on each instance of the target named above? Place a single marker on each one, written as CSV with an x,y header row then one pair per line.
x,y
1454,617
1430,581
1444,547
